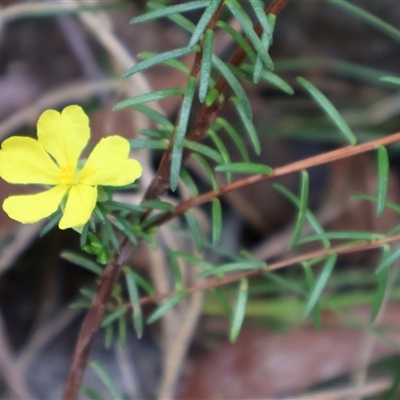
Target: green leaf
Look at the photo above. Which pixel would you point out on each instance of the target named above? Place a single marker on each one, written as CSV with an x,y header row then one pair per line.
x,y
383,178
258,7
163,11
157,134
388,260
367,17
329,109
206,63
148,144
248,125
245,168
107,380
218,293
148,97
203,149
219,144
391,79
383,279
310,216
342,235
82,262
122,331
84,236
272,78
230,130
176,270
124,206
316,311
189,182
235,266
208,170
158,59
88,293
179,137
243,20
258,67
158,205
320,284
113,316
195,229
240,40
272,21
240,310
285,283
203,21
222,150
143,283
93,395
126,228
134,298
234,84
216,218
84,304
109,234
162,309
51,224
155,116
192,259
389,204
302,214
108,336
173,63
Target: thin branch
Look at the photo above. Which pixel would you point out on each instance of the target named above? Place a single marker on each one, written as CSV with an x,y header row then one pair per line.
x,y
207,114
92,321
274,266
160,183
310,162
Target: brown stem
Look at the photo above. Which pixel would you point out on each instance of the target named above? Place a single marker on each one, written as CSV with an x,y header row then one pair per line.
x,y
272,267
160,183
207,114
91,323
277,172
113,270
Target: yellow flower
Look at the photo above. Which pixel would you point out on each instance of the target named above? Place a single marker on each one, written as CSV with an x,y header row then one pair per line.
x,y
52,160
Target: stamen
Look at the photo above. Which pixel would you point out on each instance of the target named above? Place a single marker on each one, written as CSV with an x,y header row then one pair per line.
x,y
67,174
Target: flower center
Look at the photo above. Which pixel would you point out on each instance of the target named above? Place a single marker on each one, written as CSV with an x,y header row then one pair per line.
x,y
67,174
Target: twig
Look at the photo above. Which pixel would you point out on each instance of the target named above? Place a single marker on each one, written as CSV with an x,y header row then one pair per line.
x,y
89,328
207,114
310,162
274,266
160,183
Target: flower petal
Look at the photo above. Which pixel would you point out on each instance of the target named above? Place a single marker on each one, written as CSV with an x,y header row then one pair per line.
x,y
34,207
23,160
108,164
80,204
64,135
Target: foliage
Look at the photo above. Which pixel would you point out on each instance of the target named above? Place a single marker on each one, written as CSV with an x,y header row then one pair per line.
x,y
199,132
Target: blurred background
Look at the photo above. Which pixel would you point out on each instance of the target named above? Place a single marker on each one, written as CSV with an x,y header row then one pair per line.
x,y
51,56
